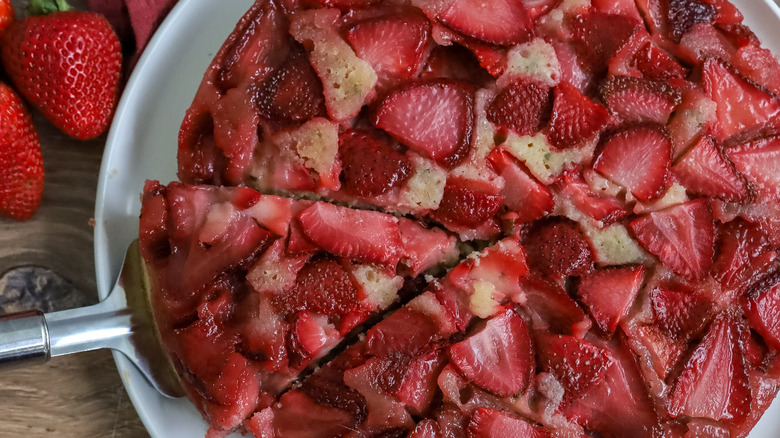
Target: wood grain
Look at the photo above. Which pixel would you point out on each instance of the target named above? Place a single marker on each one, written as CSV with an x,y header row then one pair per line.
x,y
74,396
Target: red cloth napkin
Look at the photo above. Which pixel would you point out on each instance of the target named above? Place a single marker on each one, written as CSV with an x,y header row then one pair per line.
x,y
134,20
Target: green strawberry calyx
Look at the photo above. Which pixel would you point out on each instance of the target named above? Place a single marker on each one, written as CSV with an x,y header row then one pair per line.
x,y
44,7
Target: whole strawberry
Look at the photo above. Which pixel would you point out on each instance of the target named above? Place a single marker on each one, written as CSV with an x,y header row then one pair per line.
x,y
67,64
21,164
6,14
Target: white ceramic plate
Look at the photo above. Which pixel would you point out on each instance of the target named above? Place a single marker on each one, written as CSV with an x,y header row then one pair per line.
x,y
142,145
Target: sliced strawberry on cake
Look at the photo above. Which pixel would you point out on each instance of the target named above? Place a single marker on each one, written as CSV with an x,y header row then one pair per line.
x,y
741,104
706,170
713,383
478,19
233,303
638,158
761,308
395,45
609,293
433,118
639,100
682,237
759,162
522,106
492,423
745,252
575,118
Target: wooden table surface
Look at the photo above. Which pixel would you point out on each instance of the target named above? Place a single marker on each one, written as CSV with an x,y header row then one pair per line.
x,y
72,396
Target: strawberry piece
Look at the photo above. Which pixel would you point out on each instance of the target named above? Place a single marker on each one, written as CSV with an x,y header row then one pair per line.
x,y
298,243
427,428
21,162
297,414
455,62
491,58
557,247
522,106
637,158
462,205
341,4
321,287
433,118
365,235
552,309
617,406
405,333
73,85
293,94
574,117
639,99
759,161
572,70
683,14
452,421
522,194
418,385
395,45
759,65
727,13
477,19
704,41
609,293
660,351
622,63
492,423
499,357
682,237
600,35
464,394
714,382
537,8
762,308
739,35
375,380
656,64
741,104
370,166
680,314
236,395
705,170
601,208
308,333
618,7
7,14
424,248
745,252
577,365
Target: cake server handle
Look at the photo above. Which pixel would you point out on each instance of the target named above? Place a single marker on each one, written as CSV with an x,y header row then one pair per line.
x,y
33,337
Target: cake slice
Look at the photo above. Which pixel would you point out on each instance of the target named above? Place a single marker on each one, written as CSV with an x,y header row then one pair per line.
x,y
483,357
388,380
249,289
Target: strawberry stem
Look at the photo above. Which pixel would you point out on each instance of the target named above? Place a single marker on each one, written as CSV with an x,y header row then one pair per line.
x,y
44,7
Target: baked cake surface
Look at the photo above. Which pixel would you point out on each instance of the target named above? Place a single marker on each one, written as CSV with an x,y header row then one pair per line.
x,y
616,162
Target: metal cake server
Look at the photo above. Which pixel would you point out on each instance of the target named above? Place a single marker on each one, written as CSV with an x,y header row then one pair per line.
x,y
123,322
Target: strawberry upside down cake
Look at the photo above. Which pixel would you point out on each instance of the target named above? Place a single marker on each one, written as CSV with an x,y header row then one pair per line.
x,y
461,218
